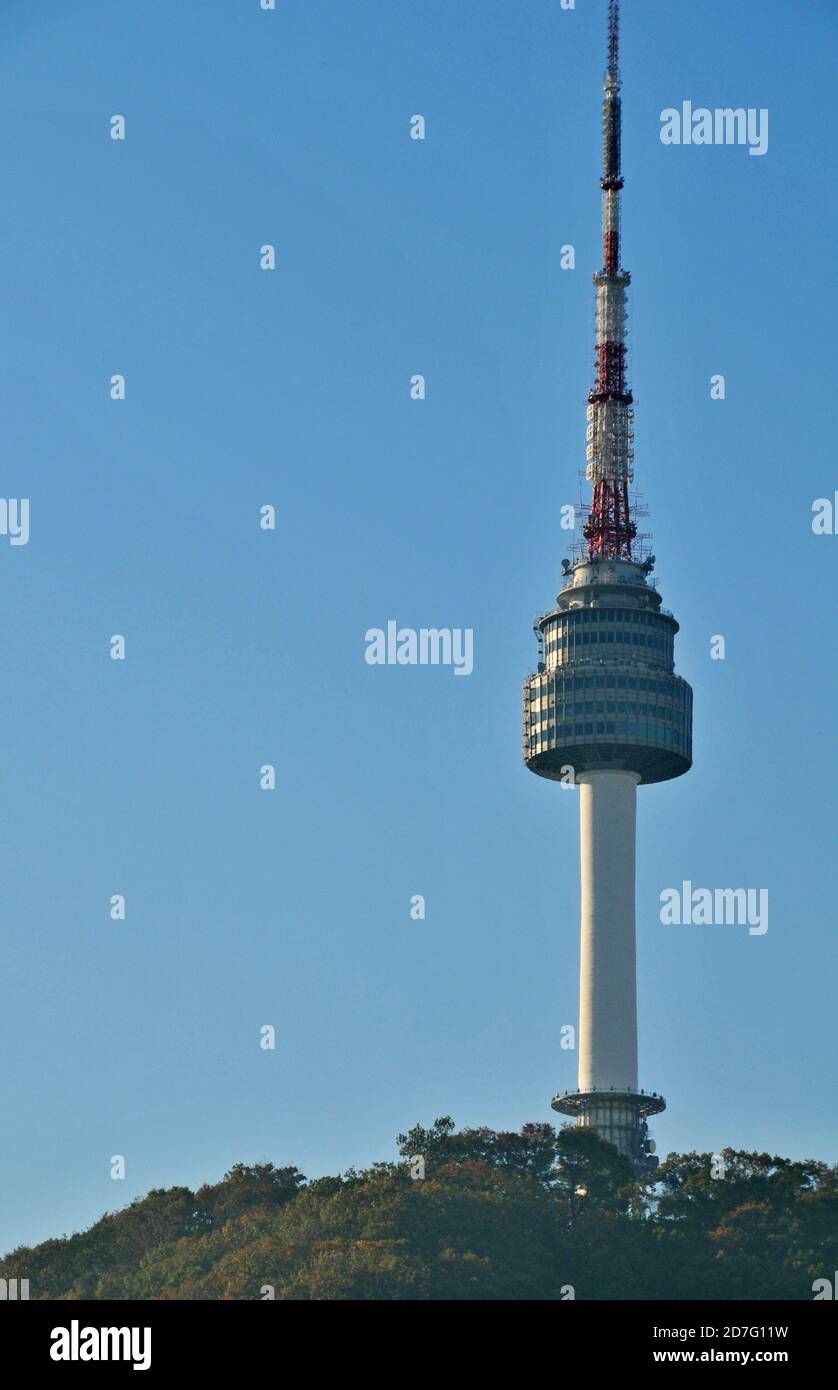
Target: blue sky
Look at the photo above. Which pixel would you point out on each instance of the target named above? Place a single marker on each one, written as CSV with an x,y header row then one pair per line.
x,y
244,647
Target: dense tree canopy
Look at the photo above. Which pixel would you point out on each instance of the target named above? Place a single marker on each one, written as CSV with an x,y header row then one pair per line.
x,y
535,1215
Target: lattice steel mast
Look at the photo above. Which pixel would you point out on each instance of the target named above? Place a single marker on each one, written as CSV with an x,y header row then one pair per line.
x,y
609,529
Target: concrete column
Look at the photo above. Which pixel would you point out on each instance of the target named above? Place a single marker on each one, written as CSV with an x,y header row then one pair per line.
x,y
608,974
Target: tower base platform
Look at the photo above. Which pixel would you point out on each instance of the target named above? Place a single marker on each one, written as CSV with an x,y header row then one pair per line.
x,y
619,1117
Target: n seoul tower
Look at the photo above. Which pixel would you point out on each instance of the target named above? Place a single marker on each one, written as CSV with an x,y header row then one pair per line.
x,y
605,708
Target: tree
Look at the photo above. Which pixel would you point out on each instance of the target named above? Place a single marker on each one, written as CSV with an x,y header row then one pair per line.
x,y
499,1215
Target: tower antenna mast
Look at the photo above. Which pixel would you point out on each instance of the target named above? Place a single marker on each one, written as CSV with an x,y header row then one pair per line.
x,y
610,529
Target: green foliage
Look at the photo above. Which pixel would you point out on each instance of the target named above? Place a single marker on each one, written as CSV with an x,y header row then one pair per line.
x,y
497,1216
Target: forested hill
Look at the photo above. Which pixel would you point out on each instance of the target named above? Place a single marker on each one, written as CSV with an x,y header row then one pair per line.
x,y
468,1215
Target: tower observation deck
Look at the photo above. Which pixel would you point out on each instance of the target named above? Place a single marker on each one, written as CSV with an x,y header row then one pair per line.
x,y
605,709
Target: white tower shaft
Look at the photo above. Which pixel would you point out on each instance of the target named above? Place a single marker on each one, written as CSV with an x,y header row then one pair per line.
x,y
608,973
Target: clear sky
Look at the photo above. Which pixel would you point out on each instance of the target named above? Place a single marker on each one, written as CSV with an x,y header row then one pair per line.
x,y
244,647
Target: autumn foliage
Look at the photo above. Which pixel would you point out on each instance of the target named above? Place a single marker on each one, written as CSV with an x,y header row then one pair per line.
x,y
535,1215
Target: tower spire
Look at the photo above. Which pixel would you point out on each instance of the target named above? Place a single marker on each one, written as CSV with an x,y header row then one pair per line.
x,y
609,528
614,38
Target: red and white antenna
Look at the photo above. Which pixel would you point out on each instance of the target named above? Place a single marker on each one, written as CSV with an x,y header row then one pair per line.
x,y
609,529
